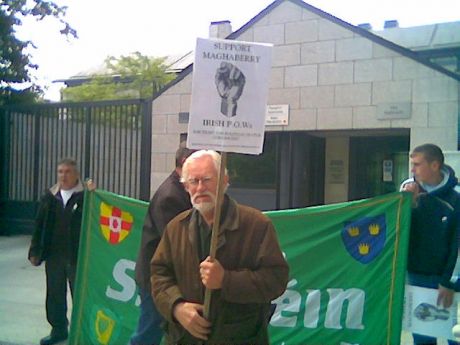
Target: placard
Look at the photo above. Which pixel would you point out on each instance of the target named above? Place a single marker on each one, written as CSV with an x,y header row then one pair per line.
x,y
229,96
423,316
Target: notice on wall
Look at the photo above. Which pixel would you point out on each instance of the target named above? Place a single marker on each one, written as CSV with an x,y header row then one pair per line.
x,y
229,96
387,170
336,171
277,115
389,111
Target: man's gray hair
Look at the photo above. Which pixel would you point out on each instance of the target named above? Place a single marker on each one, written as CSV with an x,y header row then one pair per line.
x,y
198,154
70,162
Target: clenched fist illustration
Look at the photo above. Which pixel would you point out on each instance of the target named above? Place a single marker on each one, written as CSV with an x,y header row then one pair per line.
x,y
230,83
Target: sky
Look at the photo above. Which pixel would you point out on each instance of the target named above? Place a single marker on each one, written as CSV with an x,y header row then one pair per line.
x,y
160,28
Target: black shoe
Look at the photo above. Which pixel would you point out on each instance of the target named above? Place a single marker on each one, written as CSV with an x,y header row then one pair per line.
x,y
54,338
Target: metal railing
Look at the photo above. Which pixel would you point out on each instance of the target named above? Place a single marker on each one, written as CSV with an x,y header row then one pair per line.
x,y
110,140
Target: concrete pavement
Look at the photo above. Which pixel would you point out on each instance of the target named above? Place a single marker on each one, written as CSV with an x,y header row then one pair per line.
x,y
22,294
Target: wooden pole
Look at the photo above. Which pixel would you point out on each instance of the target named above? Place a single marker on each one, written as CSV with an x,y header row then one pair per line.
x,y
215,227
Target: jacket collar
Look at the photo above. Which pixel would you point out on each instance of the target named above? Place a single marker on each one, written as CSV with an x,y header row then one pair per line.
x,y
56,188
231,215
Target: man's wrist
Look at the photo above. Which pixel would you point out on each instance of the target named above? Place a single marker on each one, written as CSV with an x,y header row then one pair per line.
x,y
175,305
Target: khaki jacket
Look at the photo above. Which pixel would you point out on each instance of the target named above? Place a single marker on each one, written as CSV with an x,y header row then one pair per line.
x,y
255,273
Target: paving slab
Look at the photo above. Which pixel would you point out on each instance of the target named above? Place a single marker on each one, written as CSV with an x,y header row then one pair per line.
x,y
22,294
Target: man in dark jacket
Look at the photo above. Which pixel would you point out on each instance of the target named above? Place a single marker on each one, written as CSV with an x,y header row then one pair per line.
x,y
55,240
169,200
435,225
249,269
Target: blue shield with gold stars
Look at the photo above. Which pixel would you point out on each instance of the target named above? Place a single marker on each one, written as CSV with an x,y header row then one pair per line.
x,y
364,238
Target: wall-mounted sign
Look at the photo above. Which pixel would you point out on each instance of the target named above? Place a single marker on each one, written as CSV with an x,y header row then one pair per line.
x,y
390,111
277,115
387,170
336,171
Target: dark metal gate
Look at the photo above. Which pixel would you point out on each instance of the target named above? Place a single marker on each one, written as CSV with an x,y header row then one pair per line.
x,y
110,140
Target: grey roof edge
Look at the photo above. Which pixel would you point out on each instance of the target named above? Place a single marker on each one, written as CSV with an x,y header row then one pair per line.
x,y
360,31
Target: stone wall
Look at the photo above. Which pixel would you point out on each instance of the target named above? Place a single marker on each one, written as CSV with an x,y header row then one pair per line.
x,y
332,78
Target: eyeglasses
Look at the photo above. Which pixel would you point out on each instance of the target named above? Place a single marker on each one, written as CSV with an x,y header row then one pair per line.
x,y
196,181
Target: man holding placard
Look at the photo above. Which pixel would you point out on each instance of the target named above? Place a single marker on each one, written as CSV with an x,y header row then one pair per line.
x,y
247,272
214,280
433,246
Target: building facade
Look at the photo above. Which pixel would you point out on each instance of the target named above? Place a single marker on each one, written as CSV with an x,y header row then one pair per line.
x,y
357,104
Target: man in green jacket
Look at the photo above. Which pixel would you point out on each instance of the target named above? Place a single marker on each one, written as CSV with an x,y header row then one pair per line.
x,y
249,269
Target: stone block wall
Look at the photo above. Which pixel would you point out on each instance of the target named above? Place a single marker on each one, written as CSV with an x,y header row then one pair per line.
x,y
332,78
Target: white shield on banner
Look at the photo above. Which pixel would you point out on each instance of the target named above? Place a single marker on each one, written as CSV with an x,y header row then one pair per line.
x,y
229,96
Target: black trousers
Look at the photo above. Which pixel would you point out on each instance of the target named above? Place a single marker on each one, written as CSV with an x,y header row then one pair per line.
x,y
58,273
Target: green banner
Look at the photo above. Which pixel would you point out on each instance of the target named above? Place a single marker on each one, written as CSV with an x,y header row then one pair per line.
x,y
347,265
106,304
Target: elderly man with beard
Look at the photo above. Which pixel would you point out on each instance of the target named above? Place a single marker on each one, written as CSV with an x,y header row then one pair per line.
x,y
249,269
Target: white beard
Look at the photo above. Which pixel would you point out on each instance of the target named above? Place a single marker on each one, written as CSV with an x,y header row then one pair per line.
x,y
204,207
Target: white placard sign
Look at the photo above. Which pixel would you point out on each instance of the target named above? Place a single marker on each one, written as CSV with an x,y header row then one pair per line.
x,y
229,96
422,315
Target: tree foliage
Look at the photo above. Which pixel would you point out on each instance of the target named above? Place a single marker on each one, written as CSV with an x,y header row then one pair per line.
x,y
125,77
15,63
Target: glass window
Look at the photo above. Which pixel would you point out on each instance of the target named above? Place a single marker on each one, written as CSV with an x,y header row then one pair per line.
x,y
254,171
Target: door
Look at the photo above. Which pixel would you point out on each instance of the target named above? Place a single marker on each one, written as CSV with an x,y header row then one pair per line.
x,y
378,165
288,174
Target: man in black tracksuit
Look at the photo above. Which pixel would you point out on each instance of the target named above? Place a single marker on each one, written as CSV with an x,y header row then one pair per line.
x,y
55,241
435,226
